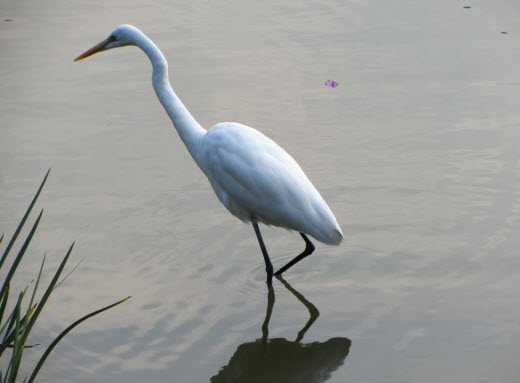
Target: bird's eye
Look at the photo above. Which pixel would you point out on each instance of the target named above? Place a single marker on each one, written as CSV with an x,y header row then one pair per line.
x,y
112,39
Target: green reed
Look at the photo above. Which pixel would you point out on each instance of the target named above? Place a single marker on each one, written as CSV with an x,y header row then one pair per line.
x,y
16,326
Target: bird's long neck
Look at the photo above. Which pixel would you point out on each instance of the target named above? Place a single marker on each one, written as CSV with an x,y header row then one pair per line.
x,y
188,128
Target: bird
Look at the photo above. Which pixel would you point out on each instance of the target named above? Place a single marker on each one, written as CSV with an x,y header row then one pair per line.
x,y
252,176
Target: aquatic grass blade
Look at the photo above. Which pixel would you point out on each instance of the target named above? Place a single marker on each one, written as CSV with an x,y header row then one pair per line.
x,y
20,255
22,222
3,303
68,275
14,364
30,308
11,327
45,297
65,332
14,328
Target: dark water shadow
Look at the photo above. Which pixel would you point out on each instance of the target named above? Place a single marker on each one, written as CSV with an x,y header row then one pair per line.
x,y
280,360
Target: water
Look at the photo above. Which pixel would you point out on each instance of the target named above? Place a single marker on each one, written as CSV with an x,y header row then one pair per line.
x,y
416,152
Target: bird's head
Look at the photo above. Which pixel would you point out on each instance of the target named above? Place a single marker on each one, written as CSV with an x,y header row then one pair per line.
x,y
122,36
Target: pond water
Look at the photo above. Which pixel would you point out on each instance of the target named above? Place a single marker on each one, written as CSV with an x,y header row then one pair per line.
x,y
416,152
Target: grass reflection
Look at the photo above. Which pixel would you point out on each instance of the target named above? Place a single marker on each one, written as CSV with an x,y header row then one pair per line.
x,y
281,360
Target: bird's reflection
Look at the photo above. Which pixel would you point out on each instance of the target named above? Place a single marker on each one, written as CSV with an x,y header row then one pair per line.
x,y
281,360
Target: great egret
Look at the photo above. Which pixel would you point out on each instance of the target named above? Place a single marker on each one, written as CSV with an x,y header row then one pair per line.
x,y
253,177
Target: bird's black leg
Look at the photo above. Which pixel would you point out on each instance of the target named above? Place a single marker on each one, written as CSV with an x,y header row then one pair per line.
x,y
268,264
309,248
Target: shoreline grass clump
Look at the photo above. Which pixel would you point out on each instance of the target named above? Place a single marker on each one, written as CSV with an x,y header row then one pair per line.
x,y
16,325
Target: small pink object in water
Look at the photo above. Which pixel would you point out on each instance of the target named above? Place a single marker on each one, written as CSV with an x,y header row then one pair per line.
x,y
331,83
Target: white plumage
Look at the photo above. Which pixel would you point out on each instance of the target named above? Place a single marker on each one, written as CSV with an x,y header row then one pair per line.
x,y
253,177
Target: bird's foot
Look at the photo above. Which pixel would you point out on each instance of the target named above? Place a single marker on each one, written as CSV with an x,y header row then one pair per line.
x,y
269,271
279,272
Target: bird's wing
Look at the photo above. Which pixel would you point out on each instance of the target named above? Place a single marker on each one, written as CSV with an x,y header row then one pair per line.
x,y
252,175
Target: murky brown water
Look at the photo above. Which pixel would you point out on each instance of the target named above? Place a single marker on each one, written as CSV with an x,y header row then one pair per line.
x,y
416,152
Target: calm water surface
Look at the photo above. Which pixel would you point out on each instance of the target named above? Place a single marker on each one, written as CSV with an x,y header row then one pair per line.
x,y
416,152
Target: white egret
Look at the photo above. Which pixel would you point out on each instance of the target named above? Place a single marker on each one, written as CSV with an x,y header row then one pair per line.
x,y
253,177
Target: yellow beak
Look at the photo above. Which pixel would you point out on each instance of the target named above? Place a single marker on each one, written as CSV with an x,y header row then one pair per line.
x,y
95,49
